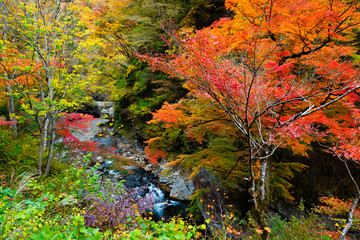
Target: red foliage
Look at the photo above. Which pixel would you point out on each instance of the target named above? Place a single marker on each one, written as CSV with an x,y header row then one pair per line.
x,y
75,143
274,73
75,121
3,122
153,153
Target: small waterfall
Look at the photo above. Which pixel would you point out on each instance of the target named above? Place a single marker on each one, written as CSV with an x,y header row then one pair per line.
x,y
161,203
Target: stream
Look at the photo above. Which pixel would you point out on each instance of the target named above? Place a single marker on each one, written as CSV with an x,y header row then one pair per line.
x,y
101,130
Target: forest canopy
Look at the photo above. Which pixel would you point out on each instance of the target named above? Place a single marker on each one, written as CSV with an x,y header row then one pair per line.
x,y
236,97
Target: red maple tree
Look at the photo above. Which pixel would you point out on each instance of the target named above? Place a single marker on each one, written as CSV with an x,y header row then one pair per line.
x,y
276,69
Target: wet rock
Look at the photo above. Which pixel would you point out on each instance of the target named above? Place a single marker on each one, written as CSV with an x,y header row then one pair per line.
x,y
119,151
182,190
139,177
107,108
92,131
107,163
164,181
116,175
148,167
104,142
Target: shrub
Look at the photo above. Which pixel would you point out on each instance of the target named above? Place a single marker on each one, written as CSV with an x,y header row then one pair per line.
x,y
20,154
116,207
176,228
301,228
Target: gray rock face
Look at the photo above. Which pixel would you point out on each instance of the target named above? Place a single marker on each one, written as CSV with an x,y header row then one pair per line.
x,y
106,108
182,190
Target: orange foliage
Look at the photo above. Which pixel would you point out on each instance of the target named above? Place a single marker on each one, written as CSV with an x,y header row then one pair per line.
x,y
300,24
152,152
19,71
168,114
273,69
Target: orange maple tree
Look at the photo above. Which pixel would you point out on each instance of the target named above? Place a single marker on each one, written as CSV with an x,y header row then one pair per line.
x,y
276,69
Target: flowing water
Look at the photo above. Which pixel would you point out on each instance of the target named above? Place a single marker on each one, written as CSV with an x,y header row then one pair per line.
x,y
102,132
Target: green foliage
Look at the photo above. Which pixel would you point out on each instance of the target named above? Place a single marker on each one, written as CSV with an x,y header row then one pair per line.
x,y
297,228
176,228
221,156
282,174
3,110
77,230
138,92
75,180
6,194
140,26
38,205
55,207
18,153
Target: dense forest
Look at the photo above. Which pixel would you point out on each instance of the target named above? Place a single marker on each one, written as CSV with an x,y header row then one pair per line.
x,y
179,119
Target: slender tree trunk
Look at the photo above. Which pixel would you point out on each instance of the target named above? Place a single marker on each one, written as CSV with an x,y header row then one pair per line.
x,y
42,97
52,135
41,151
47,130
11,105
350,218
11,108
260,194
353,205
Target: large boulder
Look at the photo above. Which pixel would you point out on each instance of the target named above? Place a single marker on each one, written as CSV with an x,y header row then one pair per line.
x,y
182,189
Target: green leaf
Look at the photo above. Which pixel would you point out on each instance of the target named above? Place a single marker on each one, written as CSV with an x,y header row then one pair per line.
x,y
75,232
98,236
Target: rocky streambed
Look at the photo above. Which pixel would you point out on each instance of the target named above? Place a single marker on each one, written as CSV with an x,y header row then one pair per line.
x,y
171,191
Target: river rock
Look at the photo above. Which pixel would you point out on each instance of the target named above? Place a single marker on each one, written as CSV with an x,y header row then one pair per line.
x,y
182,190
148,167
106,108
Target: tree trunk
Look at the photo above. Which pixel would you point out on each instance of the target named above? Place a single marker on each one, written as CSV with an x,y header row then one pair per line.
x,y
47,130
52,135
11,109
11,105
350,219
261,197
41,151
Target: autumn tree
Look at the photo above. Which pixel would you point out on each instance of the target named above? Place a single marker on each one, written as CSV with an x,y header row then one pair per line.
x,y
10,103
341,140
275,69
49,32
